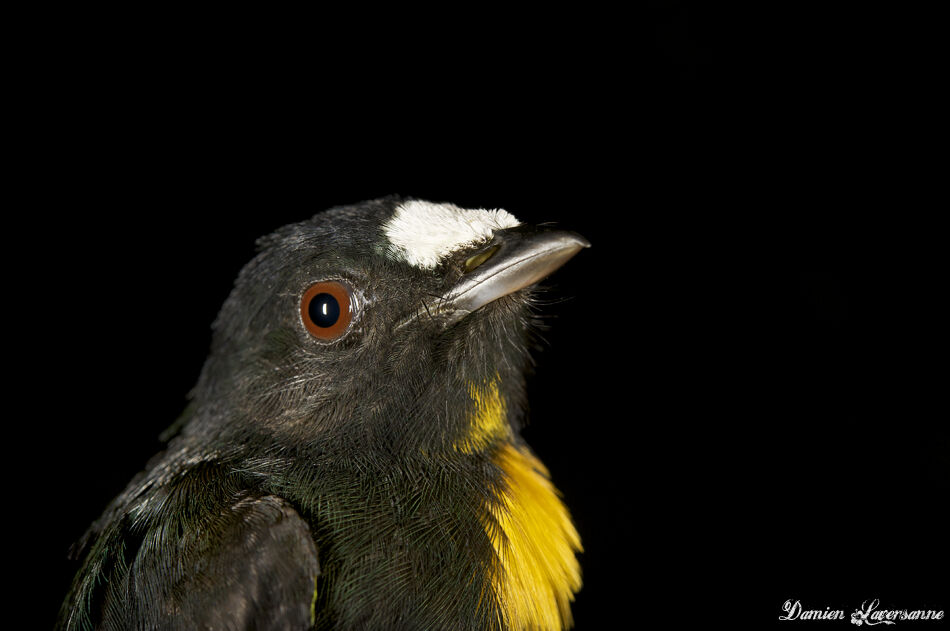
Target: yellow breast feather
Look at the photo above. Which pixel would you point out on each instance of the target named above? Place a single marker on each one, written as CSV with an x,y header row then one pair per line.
x,y
535,540
536,573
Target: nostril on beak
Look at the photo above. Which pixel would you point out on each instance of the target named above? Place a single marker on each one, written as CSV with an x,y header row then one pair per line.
x,y
477,259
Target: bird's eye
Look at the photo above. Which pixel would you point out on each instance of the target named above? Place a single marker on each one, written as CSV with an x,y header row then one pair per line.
x,y
327,310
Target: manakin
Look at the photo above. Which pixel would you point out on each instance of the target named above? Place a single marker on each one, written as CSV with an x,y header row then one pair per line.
x,y
351,457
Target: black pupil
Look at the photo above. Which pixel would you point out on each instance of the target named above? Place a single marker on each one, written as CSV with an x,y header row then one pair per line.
x,y
324,310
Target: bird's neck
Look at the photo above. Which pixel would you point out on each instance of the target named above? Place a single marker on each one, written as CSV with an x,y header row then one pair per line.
x,y
487,417
535,543
530,529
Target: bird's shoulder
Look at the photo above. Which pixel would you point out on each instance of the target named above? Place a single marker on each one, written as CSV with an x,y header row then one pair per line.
x,y
189,547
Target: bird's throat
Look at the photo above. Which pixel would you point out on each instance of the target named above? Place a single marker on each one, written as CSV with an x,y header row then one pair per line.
x,y
488,420
536,573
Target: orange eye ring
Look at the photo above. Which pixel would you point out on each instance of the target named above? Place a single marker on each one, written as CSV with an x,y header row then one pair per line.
x,y
326,309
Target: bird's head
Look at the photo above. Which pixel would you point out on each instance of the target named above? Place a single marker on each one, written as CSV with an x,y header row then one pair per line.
x,y
387,326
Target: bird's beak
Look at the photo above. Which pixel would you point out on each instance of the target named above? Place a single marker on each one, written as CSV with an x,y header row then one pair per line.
x,y
516,258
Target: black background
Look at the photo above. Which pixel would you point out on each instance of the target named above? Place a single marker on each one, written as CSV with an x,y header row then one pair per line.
x,y
737,394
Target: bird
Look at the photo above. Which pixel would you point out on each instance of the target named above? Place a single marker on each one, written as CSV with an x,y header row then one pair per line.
x,y
351,455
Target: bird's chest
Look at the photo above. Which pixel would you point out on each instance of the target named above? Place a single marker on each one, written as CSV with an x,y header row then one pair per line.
x,y
400,550
444,549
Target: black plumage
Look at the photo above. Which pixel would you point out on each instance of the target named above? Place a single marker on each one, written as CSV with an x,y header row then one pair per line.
x,y
332,483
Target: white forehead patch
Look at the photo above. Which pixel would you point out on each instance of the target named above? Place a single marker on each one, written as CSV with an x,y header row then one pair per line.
x,y
423,233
